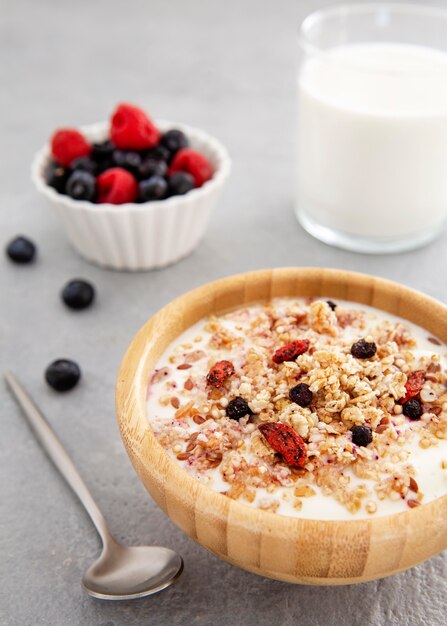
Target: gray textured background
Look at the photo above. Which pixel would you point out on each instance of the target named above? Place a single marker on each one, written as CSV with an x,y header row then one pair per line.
x,y
228,67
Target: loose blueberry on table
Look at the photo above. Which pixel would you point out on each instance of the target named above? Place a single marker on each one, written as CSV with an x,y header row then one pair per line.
x,y
21,250
137,163
63,374
78,294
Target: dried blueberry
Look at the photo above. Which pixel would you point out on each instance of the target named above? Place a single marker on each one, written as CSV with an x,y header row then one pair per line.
x,y
63,374
21,250
154,188
174,140
412,409
85,164
152,167
238,408
81,186
363,349
332,305
57,176
78,294
180,183
361,435
301,394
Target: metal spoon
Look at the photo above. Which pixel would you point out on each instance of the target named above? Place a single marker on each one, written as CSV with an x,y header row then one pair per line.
x,y
120,573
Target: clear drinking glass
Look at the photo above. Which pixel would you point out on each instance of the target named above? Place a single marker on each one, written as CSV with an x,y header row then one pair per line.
x,y
372,126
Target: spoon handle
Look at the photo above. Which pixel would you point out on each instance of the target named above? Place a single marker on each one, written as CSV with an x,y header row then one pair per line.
x,y
57,453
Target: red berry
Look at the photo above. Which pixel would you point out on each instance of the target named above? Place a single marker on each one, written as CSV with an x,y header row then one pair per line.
x,y
414,384
67,144
116,186
284,440
290,351
132,129
194,163
219,373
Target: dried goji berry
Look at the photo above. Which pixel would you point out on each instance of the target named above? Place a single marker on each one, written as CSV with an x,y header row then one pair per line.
x,y
290,351
414,384
219,373
286,442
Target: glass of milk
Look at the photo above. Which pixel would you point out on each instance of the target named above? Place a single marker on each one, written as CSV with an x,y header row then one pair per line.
x,y
372,126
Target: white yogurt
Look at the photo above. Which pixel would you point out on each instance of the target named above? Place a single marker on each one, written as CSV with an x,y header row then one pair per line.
x,y
372,139
432,480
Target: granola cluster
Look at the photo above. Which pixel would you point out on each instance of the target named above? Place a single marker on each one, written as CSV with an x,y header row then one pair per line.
x,y
324,394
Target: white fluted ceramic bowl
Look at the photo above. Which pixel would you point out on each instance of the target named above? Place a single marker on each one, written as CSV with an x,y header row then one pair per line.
x,y
138,236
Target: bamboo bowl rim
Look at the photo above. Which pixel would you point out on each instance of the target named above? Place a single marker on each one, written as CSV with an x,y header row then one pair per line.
x,y
240,290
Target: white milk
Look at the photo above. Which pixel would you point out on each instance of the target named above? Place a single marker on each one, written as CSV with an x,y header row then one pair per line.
x,y
373,139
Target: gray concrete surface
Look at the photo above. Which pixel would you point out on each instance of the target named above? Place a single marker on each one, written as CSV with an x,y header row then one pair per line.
x,y
228,67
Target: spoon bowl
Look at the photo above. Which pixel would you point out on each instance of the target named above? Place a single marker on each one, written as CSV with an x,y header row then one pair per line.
x,y
126,573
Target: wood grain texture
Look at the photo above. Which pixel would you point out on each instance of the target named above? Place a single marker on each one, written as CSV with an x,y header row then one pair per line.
x,y
290,549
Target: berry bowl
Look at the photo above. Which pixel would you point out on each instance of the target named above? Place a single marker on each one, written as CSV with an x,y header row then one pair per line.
x,y
138,236
288,548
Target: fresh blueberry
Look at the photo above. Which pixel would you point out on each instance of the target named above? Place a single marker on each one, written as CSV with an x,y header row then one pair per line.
x,y
78,294
180,183
119,157
159,153
57,176
85,164
21,250
133,162
128,159
154,188
152,167
102,151
362,435
104,165
81,186
63,374
174,140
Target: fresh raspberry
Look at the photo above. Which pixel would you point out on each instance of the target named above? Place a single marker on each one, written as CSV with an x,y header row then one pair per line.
x,y
67,144
194,163
132,129
116,186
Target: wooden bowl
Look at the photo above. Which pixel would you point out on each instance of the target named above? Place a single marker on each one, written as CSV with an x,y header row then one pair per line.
x,y
316,552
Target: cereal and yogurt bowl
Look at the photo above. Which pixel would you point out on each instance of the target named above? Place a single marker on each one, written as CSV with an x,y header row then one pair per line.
x,y
295,422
